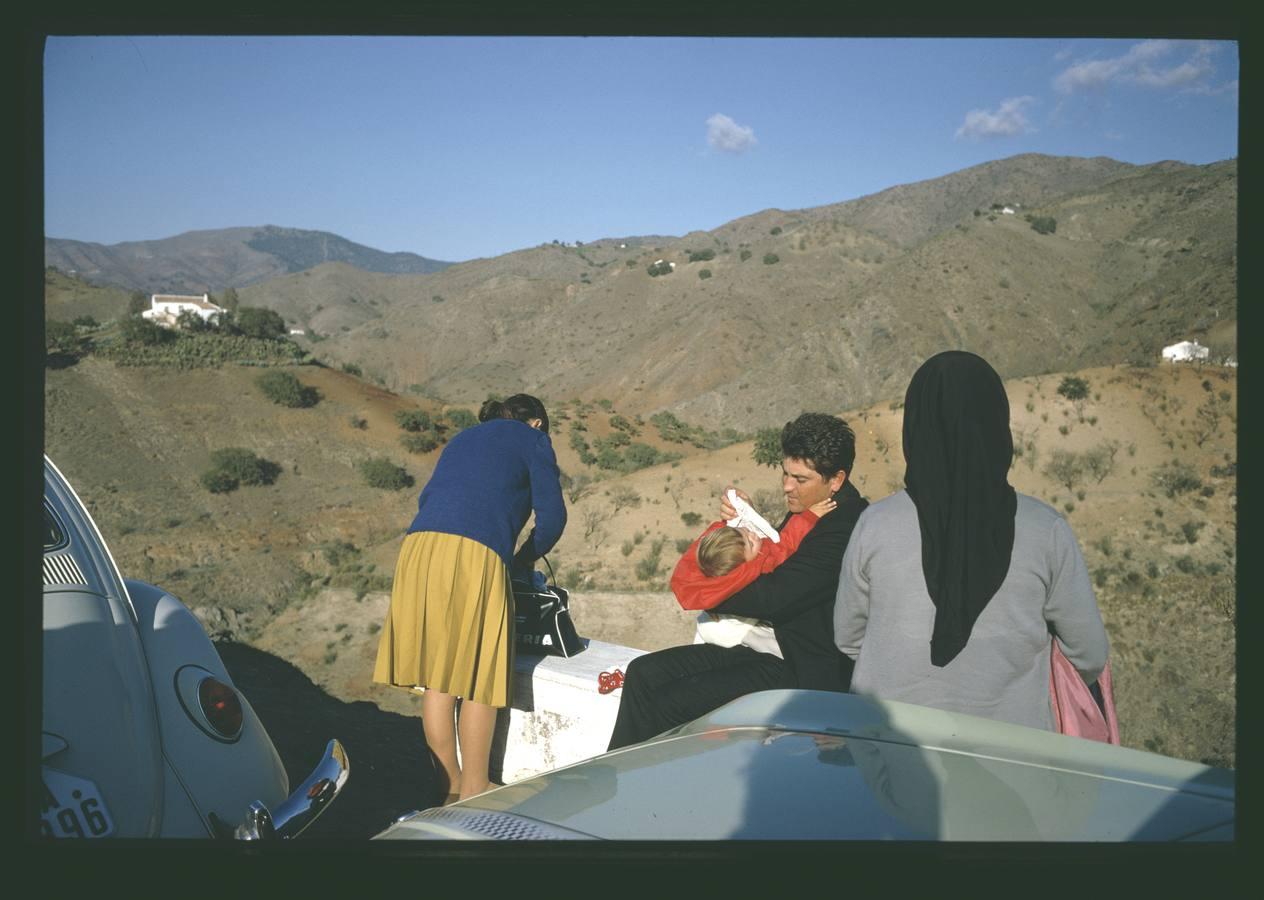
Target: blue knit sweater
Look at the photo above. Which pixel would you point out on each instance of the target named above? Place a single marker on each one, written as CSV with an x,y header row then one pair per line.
x,y
487,481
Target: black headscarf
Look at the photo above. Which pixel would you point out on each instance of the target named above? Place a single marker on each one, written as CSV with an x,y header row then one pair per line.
x,y
958,449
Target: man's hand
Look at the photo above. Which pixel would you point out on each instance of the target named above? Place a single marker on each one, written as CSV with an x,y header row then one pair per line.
x,y
726,509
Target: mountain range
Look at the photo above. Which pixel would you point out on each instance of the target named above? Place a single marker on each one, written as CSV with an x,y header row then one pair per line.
x,y
214,260
1038,263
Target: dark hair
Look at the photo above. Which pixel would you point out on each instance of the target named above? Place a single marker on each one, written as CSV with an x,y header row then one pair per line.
x,y
522,407
824,442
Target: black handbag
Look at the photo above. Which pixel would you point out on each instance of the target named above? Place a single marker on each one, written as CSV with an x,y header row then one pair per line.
x,y
542,617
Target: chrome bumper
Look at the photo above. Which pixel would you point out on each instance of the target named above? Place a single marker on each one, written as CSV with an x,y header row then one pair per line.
x,y
305,803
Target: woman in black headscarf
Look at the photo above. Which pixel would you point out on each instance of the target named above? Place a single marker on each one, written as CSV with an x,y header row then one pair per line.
x,y
952,588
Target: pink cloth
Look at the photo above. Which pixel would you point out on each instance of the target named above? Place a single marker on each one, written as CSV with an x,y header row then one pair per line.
x,y
1075,711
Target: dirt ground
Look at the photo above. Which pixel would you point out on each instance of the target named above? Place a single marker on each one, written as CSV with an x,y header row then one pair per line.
x,y
380,727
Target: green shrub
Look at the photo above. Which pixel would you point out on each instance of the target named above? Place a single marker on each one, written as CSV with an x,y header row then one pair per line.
x,y
609,458
1044,224
692,519
767,449
641,456
59,335
218,482
245,466
352,369
413,419
285,389
704,274
613,440
647,567
461,418
380,472
776,229
419,441
1176,478
744,255
86,322
683,544
702,255
255,322
1190,530
359,422
770,258
144,332
233,466
1073,388
659,268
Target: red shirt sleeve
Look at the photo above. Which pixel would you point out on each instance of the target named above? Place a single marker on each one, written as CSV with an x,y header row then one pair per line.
x,y
694,590
772,555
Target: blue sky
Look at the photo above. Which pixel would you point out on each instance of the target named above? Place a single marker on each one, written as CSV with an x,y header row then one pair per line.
x,y
457,148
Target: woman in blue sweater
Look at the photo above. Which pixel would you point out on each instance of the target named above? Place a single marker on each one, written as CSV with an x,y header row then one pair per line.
x,y
449,629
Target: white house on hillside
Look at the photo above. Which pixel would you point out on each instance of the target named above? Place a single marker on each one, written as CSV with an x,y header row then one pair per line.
x,y
1185,351
165,309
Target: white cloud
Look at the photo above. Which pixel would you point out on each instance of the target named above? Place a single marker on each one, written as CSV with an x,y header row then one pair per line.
x,y
1143,65
725,134
1008,120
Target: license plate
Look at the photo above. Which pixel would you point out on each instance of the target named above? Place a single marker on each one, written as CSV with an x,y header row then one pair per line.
x,y
72,808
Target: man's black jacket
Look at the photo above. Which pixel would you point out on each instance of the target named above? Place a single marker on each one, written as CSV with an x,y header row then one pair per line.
x,y
797,598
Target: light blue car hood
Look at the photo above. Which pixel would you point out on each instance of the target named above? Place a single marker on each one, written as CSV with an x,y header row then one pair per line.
x,y
807,765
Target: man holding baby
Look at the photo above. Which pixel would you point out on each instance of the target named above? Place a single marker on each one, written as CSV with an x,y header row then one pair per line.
x,y
796,598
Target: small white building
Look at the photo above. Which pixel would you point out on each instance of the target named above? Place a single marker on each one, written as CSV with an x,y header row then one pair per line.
x,y
1007,210
165,309
1185,351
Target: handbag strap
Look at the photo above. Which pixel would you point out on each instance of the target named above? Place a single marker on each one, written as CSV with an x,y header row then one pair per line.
x,y
563,603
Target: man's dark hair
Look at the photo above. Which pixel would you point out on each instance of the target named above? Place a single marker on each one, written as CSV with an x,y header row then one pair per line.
x,y
824,442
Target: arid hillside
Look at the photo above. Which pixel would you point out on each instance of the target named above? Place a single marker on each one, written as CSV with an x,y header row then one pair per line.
x,y
1143,466
1039,263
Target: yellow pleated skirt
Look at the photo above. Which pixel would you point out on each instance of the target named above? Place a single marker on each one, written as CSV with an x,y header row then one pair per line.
x,y
450,623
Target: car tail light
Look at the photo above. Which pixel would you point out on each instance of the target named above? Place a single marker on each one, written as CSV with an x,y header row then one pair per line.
x,y
221,706
211,702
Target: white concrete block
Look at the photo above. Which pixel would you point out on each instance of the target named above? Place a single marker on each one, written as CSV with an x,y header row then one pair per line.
x,y
558,717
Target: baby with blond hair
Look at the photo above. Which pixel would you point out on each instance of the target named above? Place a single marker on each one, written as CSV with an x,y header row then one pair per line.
x,y
726,558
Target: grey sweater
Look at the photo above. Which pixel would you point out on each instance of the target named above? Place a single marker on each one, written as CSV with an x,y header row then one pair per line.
x,y
883,617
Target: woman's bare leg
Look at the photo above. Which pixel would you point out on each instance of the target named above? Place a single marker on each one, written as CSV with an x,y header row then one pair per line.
x,y
438,721
476,726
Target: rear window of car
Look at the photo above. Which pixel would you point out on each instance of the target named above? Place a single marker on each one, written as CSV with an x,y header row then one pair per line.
x,y
54,534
